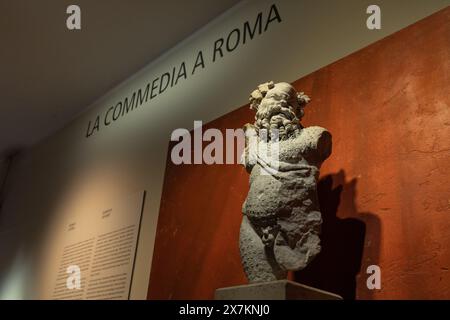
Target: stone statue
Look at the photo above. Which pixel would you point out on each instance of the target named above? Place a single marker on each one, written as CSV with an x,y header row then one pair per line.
x,y
281,216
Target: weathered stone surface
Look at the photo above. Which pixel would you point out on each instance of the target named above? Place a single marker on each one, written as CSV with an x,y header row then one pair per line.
x,y
281,223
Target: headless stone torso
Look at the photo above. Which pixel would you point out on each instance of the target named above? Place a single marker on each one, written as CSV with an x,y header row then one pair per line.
x,y
282,208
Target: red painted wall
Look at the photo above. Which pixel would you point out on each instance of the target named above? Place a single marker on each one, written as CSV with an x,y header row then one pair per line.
x,y
384,192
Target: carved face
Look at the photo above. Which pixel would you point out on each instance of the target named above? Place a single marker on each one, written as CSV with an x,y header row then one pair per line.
x,y
279,109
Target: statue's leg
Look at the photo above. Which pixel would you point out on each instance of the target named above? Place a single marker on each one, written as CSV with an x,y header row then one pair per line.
x,y
296,245
258,260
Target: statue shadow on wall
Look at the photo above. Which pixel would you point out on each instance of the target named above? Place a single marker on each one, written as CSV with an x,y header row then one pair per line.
x,y
338,265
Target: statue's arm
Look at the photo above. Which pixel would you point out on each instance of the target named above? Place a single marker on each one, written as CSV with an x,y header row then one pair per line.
x,y
249,156
321,143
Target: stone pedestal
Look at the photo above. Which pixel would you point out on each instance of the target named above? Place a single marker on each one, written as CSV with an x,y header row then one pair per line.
x,y
274,290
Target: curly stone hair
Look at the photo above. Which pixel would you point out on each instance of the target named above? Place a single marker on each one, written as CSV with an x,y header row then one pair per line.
x,y
280,110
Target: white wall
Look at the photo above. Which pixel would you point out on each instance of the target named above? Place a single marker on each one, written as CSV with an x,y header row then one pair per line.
x,y
68,173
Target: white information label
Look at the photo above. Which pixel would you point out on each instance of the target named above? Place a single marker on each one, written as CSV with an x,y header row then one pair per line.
x,y
97,258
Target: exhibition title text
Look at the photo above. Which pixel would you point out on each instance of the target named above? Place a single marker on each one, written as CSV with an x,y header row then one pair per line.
x,y
169,79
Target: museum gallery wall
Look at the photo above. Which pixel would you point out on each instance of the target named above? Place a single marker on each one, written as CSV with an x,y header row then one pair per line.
x,y
383,185
383,193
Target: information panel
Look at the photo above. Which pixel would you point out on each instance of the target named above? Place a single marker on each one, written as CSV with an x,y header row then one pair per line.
x,y
97,257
